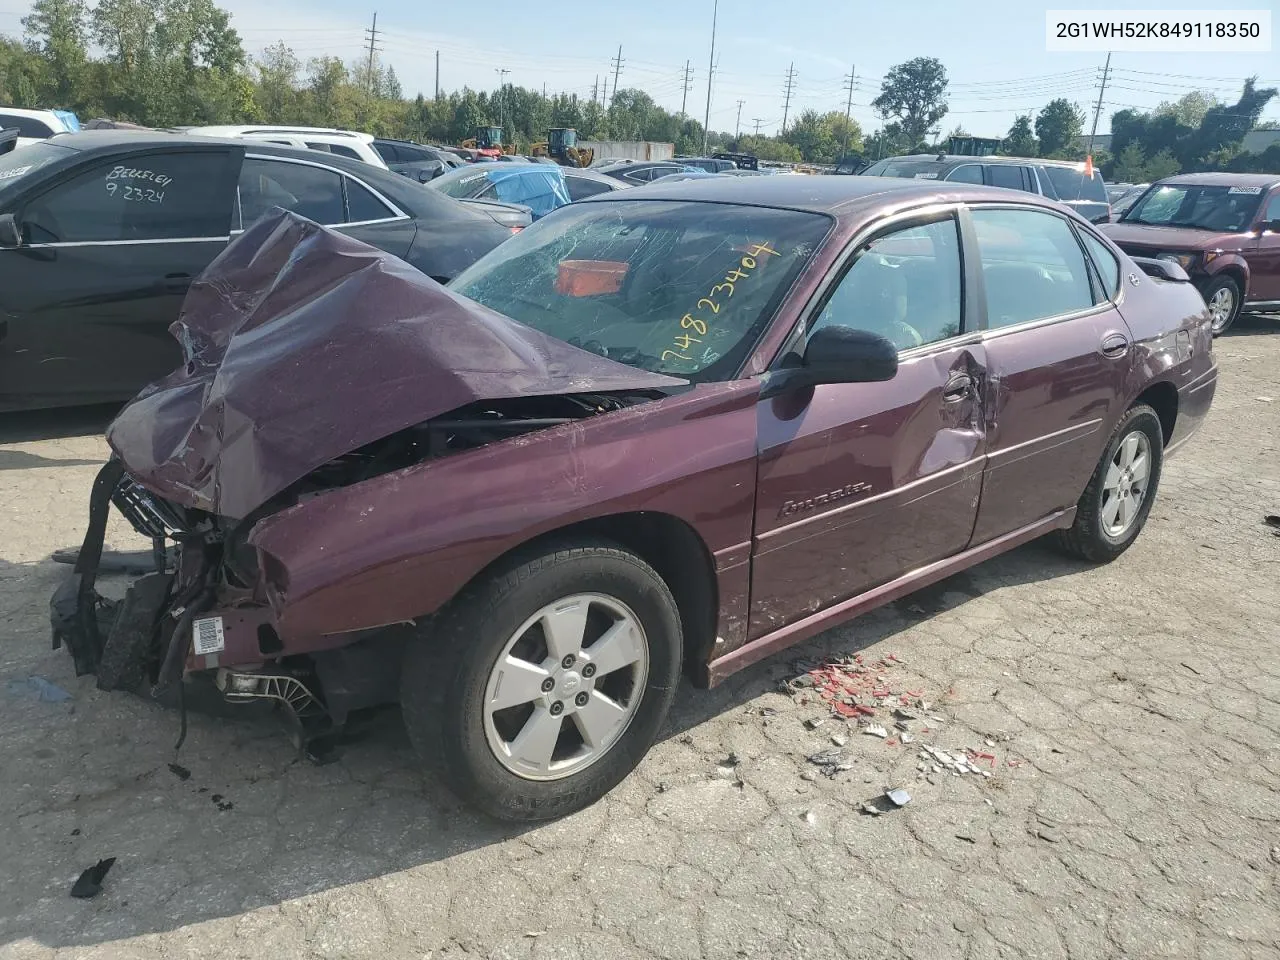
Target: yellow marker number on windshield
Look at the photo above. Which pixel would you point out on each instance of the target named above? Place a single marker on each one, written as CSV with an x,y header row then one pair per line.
x,y
741,271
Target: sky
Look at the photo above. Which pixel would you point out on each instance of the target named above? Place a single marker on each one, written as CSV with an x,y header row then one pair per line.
x,y
996,63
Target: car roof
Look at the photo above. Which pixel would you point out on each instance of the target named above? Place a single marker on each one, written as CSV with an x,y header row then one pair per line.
x,y
595,176
1223,180
33,114
820,194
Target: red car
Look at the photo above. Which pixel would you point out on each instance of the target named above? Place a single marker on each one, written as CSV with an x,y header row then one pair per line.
x,y
1222,228
673,429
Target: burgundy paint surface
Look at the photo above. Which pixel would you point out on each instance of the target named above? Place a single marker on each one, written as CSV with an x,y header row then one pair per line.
x,y
897,484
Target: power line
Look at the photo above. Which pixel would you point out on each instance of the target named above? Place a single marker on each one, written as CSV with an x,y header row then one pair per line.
x,y
791,82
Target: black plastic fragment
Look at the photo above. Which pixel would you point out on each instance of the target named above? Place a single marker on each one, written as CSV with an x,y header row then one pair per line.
x,y
89,883
179,771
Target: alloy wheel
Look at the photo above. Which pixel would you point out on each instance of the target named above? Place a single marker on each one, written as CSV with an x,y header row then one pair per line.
x,y
566,686
1221,305
1125,486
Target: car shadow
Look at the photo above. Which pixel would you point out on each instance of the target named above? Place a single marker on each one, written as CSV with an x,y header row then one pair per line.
x,y
20,460
1254,325
237,820
59,424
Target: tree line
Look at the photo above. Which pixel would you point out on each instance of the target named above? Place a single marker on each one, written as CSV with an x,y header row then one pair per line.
x,y
164,63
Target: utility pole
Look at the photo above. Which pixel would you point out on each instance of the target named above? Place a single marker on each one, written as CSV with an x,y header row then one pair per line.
x,y
684,97
711,69
544,89
437,74
757,121
791,82
372,38
1106,73
848,107
502,97
617,69
594,87
737,126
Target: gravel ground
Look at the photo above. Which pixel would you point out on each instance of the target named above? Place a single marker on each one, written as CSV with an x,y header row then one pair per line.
x,y
1132,715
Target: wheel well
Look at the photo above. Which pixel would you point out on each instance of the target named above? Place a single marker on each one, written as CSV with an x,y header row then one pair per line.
x,y
1162,397
681,559
1236,274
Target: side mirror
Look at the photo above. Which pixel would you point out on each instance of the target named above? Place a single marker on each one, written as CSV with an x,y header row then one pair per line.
x,y
10,235
836,354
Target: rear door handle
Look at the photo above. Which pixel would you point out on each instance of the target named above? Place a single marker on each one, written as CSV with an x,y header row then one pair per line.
x,y
957,387
1115,345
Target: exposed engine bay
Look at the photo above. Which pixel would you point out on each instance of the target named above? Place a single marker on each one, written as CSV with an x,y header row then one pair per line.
x,y
159,632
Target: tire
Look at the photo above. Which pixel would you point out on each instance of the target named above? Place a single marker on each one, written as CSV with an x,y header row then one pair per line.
x,y
448,681
1094,536
1224,288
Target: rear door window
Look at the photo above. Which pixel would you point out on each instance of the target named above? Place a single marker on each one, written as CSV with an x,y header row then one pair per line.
x,y
966,173
362,205
580,187
344,151
27,126
389,152
1005,175
1032,266
158,196
309,191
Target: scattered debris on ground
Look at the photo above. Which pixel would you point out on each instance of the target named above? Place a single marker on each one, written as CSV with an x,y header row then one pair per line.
x,y
221,802
889,800
89,883
40,688
179,771
831,762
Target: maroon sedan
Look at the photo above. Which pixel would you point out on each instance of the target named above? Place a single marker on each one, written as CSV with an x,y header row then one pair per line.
x,y
678,428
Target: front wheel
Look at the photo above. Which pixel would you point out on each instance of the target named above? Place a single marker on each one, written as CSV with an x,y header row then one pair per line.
x,y
1222,294
1114,506
544,685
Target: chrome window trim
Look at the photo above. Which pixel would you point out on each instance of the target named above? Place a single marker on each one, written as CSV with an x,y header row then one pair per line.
x,y
117,243
397,213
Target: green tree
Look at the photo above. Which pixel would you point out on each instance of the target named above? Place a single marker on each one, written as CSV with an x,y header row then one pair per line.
x,y
58,31
914,95
1130,165
1189,109
1059,122
276,91
22,74
1021,140
1163,164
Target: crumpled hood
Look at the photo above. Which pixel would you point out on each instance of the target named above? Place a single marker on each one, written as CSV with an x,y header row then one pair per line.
x,y
1167,238
302,344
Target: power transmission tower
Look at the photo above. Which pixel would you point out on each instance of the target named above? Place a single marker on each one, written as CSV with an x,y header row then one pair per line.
x,y
372,37
1106,74
848,107
791,82
737,126
757,121
711,70
688,82
617,69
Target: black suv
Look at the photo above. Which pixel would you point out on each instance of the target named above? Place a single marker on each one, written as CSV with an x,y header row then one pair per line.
x,y
1056,179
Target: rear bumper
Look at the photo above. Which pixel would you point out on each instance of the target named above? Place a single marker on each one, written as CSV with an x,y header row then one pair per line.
x,y
1194,400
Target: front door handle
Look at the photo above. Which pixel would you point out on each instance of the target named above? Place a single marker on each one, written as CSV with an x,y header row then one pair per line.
x,y
957,387
1115,345
176,282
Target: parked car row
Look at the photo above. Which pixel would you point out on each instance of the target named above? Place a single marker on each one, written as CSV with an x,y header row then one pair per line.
x,y
101,234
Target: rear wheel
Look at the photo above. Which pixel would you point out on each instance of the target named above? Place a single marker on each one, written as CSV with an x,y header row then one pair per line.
x,y
545,685
1222,294
1114,506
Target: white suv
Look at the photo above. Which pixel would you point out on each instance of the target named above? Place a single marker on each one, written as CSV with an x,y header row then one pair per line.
x,y
34,125
345,143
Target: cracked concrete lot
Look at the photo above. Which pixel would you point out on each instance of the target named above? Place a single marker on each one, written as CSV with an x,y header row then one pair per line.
x,y
1131,714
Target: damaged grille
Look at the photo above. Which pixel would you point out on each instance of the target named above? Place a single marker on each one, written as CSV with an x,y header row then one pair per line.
x,y
149,515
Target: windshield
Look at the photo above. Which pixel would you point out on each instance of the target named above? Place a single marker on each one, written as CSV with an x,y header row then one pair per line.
x,y
461,182
23,161
911,169
1221,208
676,287
1074,185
